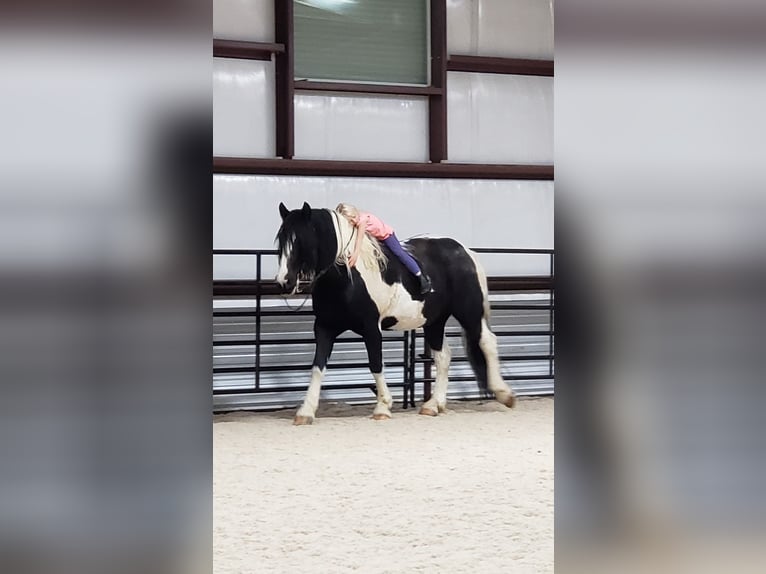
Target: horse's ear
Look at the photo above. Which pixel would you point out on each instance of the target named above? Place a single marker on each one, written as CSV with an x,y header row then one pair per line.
x,y
283,211
306,211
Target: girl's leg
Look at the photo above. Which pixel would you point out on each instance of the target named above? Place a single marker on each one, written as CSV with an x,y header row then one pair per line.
x,y
393,244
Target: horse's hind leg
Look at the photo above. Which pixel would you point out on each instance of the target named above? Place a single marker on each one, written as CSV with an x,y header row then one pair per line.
x,y
434,335
495,382
325,339
481,347
373,341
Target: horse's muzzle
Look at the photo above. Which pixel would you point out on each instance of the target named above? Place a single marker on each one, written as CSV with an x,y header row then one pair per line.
x,y
288,285
292,284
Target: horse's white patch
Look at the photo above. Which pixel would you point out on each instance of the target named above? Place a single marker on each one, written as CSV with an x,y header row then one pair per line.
x,y
385,401
442,360
311,402
482,277
488,346
408,323
407,312
391,300
284,257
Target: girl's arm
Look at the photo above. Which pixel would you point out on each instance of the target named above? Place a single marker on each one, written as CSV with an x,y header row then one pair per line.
x,y
361,229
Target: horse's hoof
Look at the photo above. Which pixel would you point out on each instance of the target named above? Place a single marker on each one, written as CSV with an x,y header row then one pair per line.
x,y
299,421
510,401
428,411
381,417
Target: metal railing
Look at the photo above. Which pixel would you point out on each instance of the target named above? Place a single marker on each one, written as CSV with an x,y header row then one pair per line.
x,y
415,363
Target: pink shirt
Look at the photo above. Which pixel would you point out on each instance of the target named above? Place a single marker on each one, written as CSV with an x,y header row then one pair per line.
x,y
375,226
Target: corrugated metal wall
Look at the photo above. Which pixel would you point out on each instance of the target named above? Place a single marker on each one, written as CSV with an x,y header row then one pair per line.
x,y
479,213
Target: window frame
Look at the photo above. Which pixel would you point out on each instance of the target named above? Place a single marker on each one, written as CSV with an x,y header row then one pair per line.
x,y
377,86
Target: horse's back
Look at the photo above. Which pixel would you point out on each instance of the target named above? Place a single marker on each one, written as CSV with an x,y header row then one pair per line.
x,y
442,256
453,271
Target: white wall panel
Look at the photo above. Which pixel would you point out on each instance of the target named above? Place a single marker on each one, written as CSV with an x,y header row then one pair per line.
x,y
385,128
479,213
244,20
506,28
243,108
497,118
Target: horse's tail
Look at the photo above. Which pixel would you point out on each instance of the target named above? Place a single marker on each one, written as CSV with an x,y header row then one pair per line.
x,y
481,275
471,337
484,290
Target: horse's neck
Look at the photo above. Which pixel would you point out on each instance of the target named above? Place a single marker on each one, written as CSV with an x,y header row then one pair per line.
x,y
345,236
328,239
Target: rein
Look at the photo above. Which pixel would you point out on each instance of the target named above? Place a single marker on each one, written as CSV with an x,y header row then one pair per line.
x,y
313,281
340,233
299,307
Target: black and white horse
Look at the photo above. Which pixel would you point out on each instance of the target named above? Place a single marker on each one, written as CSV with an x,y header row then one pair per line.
x,y
380,294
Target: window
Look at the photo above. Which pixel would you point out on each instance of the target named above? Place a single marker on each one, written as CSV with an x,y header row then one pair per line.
x,y
384,41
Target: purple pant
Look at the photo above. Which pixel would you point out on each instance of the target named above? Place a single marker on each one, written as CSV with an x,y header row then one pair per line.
x,y
393,244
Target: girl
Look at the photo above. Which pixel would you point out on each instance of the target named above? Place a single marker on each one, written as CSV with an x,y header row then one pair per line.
x,y
367,223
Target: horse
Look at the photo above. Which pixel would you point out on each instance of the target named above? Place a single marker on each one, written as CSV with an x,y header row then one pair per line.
x,y
379,294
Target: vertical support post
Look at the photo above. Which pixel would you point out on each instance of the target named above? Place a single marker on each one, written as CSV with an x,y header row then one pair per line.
x,y
285,79
412,367
258,322
406,370
437,103
426,371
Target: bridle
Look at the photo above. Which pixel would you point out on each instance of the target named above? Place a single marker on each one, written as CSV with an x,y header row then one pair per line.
x,y
318,275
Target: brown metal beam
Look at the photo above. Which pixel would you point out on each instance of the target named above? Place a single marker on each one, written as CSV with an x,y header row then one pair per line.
x,y
311,85
249,287
332,168
246,50
491,65
437,103
284,72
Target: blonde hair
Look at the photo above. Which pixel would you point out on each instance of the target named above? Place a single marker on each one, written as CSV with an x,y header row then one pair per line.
x,y
348,211
371,253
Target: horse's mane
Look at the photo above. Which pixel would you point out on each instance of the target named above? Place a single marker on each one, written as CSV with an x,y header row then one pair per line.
x,y
371,254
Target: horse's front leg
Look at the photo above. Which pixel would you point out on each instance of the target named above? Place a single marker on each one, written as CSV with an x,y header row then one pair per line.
x,y
373,340
325,339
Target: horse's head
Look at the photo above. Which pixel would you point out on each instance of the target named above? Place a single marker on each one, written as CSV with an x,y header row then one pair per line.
x,y
297,244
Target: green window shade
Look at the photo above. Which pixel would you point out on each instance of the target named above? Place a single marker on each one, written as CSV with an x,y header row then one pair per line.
x,y
362,40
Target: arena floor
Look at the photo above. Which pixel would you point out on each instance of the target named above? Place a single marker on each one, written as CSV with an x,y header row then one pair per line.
x,y
468,491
